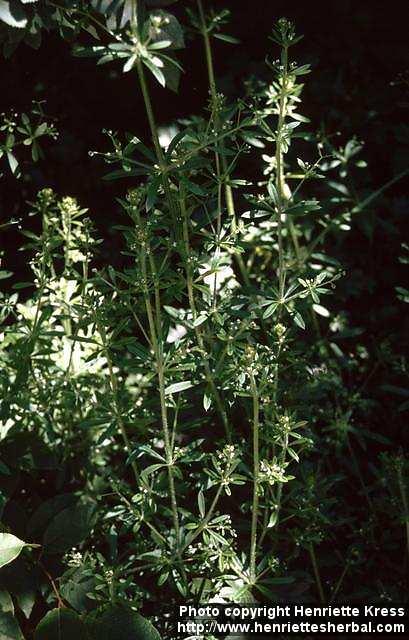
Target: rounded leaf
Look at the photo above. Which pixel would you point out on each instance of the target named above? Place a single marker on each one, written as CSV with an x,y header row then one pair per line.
x,y
9,629
69,527
118,622
61,624
10,548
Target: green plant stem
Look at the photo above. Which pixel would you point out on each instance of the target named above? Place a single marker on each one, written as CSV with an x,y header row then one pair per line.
x,y
60,601
279,184
230,206
294,239
197,329
149,524
358,472
339,582
316,573
158,352
280,172
265,526
156,293
155,328
218,228
205,520
150,115
86,14
280,486
256,467
213,94
113,383
157,344
158,149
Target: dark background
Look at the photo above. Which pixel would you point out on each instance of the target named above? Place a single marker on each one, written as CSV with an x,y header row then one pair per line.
x,y
356,48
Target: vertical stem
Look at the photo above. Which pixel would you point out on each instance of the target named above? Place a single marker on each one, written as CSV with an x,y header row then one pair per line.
x,y
280,486
218,226
198,331
256,466
113,384
339,582
358,472
208,50
205,521
280,173
158,352
60,601
156,293
158,149
295,241
150,115
316,573
156,338
169,452
134,13
213,93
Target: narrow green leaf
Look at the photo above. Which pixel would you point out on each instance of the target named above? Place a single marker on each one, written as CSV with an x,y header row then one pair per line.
x,y
201,503
162,44
322,311
298,319
129,63
151,469
156,71
272,192
207,401
270,310
226,38
178,386
12,162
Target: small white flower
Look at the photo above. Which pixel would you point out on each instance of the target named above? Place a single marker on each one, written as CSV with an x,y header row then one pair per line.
x,y
176,333
166,135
